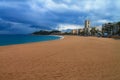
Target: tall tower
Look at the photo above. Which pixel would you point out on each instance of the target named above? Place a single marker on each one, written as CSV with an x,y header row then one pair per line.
x,y
87,27
87,24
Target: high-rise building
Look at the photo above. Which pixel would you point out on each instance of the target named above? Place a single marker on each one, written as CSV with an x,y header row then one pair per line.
x,y
111,28
87,27
87,24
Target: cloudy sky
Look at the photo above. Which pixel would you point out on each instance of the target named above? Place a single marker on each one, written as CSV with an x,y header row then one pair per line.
x,y
26,16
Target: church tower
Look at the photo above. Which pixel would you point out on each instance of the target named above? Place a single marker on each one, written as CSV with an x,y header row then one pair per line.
x,y
87,28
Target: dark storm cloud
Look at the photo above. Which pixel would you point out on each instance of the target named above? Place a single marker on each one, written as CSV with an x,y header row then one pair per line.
x,y
49,14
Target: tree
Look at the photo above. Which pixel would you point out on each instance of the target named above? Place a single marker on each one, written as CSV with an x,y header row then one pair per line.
x,y
118,23
118,32
82,33
43,32
93,31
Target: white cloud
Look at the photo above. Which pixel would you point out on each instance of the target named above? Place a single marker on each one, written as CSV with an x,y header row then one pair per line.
x,y
51,5
103,21
11,4
78,5
68,26
49,11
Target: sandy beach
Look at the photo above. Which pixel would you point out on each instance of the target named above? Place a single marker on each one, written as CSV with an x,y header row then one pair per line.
x,y
71,58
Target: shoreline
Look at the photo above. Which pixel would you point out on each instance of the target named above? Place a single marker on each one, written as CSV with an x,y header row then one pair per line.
x,y
59,38
72,58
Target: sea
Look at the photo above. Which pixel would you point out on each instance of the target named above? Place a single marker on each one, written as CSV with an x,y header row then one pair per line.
x,y
22,39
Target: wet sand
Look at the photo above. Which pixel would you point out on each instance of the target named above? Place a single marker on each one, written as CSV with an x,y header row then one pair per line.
x,y
72,58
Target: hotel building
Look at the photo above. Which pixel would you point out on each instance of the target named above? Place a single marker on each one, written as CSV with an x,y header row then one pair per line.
x,y
110,28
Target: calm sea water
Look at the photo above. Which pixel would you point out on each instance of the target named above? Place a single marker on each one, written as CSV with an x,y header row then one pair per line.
x,y
22,39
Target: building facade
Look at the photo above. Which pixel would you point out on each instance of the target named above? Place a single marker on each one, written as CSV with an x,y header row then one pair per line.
x,y
110,28
87,28
75,32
